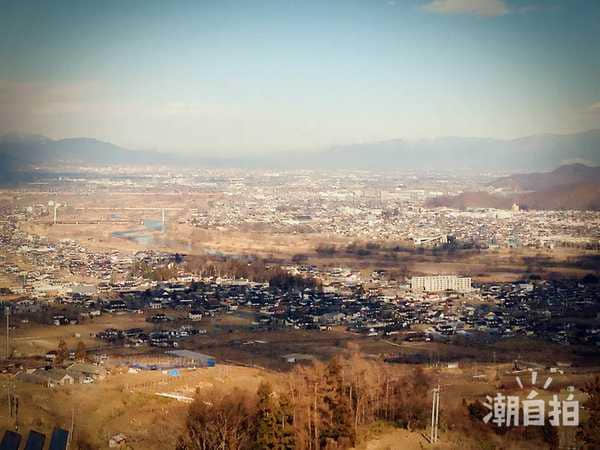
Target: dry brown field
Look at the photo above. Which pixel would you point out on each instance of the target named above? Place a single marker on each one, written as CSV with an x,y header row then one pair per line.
x,y
485,266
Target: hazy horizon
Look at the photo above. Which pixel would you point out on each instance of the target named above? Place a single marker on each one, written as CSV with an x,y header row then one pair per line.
x,y
242,78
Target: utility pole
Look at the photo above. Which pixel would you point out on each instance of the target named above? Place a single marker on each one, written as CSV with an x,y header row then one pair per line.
x,y
8,399
435,415
432,416
7,314
55,208
16,408
70,438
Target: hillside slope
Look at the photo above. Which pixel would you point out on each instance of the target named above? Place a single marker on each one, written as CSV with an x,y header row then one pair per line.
x,y
568,187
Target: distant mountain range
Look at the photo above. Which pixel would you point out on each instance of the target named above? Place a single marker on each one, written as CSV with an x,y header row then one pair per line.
x,y
541,152
570,186
573,186
36,149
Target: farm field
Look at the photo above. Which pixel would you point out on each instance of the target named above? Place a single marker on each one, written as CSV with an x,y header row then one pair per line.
x,y
485,266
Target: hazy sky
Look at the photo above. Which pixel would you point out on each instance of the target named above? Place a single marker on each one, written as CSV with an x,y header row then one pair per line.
x,y
251,76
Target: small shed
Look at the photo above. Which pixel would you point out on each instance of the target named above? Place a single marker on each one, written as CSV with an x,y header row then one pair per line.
x,y
56,376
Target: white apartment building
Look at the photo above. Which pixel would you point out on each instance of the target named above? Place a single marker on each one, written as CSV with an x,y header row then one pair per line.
x,y
438,283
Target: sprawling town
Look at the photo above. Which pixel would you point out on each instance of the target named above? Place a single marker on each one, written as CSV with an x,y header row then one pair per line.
x,y
315,225
380,214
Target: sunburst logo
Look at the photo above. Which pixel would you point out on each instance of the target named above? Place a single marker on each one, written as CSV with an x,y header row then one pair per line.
x,y
511,410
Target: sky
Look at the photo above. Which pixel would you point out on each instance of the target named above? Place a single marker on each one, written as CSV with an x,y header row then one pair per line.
x,y
252,76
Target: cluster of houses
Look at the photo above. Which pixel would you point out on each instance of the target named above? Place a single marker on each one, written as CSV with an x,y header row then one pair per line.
x,y
49,264
135,337
531,307
564,311
373,306
51,377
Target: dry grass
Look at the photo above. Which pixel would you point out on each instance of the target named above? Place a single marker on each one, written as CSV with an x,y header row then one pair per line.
x,y
114,405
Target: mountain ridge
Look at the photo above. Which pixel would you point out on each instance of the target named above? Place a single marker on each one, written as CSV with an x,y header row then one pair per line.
x,y
537,152
569,174
573,186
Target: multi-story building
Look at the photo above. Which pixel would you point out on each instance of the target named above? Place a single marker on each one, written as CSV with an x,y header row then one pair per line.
x,y
438,283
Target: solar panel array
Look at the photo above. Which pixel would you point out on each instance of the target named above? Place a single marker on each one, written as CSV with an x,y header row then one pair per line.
x,y
35,441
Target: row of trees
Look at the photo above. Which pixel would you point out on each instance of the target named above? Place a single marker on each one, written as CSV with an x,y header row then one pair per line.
x,y
323,407
160,273
254,270
451,249
320,407
62,353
